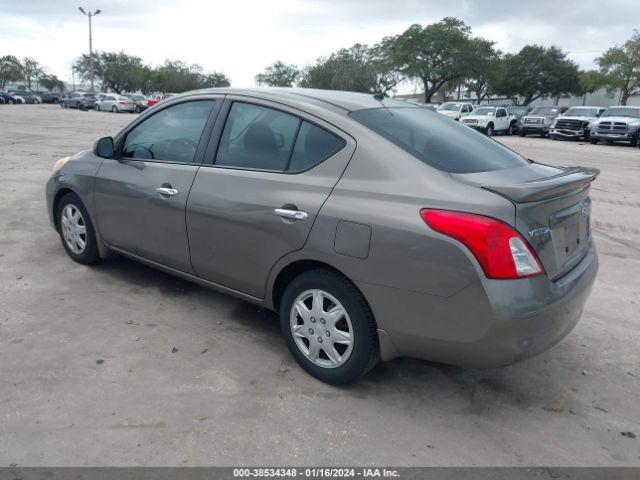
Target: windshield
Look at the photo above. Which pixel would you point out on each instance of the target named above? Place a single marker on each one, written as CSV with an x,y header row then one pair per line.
x,y
545,110
138,97
450,106
485,111
582,112
622,112
437,141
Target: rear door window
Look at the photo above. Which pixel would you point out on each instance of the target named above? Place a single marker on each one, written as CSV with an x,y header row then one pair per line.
x,y
437,141
313,146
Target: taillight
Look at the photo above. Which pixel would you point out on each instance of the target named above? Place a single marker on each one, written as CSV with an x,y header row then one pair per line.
x,y
500,250
122,102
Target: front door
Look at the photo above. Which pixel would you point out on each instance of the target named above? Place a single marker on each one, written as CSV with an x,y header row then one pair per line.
x,y
273,171
140,196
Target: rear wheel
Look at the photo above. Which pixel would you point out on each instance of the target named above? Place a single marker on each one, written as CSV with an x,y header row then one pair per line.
x,y
510,129
521,133
114,109
593,141
76,230
329,327
97,108
138,109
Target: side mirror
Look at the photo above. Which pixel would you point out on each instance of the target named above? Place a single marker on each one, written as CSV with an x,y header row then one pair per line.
x,y
104,147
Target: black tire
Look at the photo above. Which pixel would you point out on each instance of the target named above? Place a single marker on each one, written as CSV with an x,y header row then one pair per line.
x,y
542,135
90,253
365,353
510,129
593,141
489,130
522,133
36,102
96,107
138,109
634,142
114,109
55,101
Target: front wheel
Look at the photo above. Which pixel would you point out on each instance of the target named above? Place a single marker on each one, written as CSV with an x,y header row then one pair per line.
x,y
97,108
138,109
489,130
36,102
593,141
510,129
329,327
522,134
634,142
10,102
76,230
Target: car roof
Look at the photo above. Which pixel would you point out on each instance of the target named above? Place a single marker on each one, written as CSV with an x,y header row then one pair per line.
x,y
329,99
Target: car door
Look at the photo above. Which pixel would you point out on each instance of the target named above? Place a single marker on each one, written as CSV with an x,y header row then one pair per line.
x,y
502,120
271,172
140,196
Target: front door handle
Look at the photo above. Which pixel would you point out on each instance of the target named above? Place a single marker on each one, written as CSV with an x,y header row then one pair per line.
x,y
167,191
290,214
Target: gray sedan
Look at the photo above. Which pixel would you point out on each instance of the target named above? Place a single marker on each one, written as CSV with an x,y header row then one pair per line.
x,y
375,228
115,103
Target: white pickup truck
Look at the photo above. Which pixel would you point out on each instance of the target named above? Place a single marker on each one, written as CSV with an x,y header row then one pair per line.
x,y
489,119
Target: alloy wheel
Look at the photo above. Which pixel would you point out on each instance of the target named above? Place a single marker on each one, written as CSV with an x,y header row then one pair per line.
x,y
74,228
321,328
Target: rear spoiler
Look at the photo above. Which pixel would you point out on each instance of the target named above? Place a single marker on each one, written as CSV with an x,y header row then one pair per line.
x,y
571,179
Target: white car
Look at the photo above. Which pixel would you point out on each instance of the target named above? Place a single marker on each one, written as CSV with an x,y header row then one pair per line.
x,y
489,119
455,110
115,103
617,124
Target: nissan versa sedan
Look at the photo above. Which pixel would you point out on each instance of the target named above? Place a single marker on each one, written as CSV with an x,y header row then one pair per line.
x,y
375,228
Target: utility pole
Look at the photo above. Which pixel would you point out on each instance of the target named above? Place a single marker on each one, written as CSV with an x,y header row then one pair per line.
x,y
89,15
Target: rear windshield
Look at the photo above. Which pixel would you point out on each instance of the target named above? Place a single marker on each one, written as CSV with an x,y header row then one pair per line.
x,y
581,112
438,141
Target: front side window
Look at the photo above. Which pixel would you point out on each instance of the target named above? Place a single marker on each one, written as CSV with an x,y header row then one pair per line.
x,y
437,141
171,135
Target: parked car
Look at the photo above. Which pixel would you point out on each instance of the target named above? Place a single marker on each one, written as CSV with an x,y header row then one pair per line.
x,y
2,100
8,98
79,100
375,228
539,120
574,123
18,99
455,110
27,96
489,120
48,97
140,101
518,112
616,124
116,104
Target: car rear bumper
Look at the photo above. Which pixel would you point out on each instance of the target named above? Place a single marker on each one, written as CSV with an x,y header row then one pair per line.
x,y
489,323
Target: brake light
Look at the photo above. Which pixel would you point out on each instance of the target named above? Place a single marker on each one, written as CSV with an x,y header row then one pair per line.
x,y
500,250
122,102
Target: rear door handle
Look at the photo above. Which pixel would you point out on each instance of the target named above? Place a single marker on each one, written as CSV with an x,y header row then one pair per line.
x,y
167,191
291,214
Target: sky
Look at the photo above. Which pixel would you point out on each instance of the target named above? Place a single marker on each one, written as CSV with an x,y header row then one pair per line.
x,y
242,37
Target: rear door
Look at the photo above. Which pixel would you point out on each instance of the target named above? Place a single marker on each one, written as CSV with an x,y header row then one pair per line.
x,y
272,170
140,196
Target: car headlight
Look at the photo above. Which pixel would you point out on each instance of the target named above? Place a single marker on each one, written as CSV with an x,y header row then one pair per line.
x,y
58,165
553,124
633,126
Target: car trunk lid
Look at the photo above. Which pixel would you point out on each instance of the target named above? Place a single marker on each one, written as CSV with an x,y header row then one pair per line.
x,y
552,209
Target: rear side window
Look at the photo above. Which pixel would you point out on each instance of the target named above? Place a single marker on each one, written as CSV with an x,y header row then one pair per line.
x,y
438,141
170,135
262,138
313,146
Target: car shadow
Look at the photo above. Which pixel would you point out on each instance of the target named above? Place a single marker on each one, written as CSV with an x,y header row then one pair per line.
x,y
476,391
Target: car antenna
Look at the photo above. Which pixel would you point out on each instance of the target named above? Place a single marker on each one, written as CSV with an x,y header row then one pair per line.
x,y
380,96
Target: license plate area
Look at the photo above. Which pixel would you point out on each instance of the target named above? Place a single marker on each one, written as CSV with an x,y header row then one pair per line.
x,y
570,232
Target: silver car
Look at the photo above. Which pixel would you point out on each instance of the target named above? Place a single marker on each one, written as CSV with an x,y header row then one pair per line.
x,y
115,103
375,228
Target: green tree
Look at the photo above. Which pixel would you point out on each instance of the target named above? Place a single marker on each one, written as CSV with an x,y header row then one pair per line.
x,y
433,55
621,67
484,68
10,70
355,69
177,76
538,72
278,74
31,71
590,81
51,82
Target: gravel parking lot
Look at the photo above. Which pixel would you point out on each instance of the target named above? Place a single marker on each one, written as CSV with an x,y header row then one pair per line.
x,y
120,364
